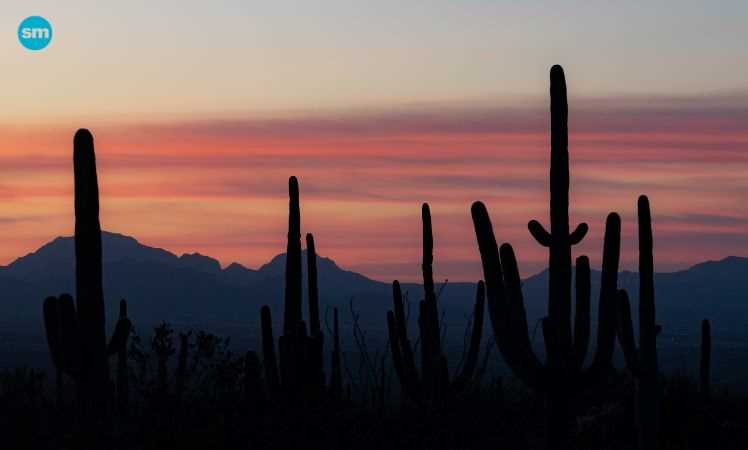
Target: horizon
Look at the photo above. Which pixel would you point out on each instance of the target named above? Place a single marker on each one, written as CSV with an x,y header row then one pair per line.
x,y
223,265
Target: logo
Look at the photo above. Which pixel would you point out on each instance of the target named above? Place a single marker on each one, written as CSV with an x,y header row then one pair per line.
x,y
35,33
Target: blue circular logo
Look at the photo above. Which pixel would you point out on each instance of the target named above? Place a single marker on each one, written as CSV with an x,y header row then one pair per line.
x,y
35,33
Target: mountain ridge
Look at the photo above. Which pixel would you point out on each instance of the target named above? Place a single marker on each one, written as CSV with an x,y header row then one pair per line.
x,y
192,287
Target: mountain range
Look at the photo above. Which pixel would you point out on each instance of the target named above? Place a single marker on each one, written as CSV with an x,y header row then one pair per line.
x,y
192,290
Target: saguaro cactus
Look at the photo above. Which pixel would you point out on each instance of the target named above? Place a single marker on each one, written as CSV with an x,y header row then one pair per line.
x,y
642,361
300,353
88,270
706,360
76,334
433,384
563,374
292,308
118,345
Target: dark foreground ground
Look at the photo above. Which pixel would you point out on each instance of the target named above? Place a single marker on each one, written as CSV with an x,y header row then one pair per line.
x,y
217,413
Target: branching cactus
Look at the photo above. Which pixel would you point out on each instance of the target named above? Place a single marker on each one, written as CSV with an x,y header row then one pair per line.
x,y
76,330
563,374
433,384
642,361
296,370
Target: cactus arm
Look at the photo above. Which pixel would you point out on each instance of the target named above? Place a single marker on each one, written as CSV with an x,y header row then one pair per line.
x,y
270,361
471,360
516,317
705,359
582,311
516,349
292,306
539,233
315,328
578,234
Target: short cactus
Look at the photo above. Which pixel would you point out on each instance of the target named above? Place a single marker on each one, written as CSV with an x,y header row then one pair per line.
x,y
433,385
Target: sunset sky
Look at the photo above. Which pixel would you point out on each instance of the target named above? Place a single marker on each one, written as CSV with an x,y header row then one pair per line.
x,y
202,110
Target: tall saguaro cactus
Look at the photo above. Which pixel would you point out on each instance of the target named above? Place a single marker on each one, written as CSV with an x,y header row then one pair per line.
x,y
562,375
76,331
88,269
642,360
292,310
433,384
559,241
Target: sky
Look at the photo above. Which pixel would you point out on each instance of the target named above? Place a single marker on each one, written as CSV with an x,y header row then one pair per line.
x,y
202,110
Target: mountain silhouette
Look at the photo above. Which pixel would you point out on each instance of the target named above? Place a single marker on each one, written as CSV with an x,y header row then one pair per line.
x,y
192,290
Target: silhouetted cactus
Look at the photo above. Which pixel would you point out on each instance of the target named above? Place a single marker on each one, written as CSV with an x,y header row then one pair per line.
x,y
270,361
563,374
336,371
315,342
118,345
705,362
642,361
94,372
433,384
76,335
300,352
292,311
